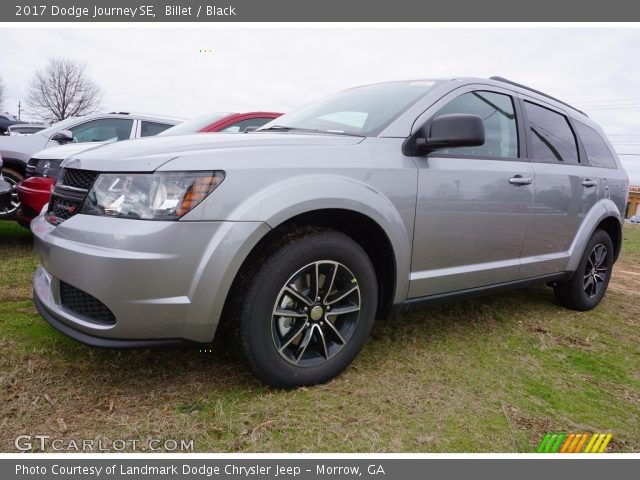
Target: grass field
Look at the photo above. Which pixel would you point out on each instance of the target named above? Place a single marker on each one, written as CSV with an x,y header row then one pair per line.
x,y
492,374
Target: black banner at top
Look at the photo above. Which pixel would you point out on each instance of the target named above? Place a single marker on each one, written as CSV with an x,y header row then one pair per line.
x,y
318,11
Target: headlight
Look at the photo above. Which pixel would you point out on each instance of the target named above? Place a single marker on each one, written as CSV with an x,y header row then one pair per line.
x,y
149,196
51,168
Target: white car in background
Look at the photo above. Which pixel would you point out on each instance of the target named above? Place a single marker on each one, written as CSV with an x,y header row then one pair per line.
x,y
90,130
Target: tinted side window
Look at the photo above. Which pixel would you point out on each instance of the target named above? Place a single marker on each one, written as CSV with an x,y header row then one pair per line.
x,y
102,130
240,126
149,129
551,135
598,153
498,116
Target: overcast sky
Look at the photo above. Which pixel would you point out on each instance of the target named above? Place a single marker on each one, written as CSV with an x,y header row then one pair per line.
x,y
163,70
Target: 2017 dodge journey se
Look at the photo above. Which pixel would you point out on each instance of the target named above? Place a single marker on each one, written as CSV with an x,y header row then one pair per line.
x,y
303,232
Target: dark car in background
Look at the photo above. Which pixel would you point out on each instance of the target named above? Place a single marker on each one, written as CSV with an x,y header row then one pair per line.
x,y
6,120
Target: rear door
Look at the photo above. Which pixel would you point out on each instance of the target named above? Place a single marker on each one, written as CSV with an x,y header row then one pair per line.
x,y
473,202
566,188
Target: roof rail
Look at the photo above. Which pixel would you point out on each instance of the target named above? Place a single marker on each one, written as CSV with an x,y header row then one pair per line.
x,y
504,80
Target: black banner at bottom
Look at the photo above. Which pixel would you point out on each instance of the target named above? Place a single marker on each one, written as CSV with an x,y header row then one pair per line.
x,y
318,468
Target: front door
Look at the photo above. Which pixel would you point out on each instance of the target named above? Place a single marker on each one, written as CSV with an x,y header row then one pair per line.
x,y
473,204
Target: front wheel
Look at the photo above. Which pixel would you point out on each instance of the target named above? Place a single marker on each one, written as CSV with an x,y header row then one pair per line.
x,y
589,283
13,178
308,309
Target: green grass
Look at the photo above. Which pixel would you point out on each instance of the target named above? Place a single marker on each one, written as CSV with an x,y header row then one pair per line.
x,y
492,374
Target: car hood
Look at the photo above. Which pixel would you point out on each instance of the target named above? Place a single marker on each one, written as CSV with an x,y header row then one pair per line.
x,y
21,147
148,154
63,151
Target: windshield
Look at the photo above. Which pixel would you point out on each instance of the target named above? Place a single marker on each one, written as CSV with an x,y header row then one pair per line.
x,y
362,111
56,127
195,124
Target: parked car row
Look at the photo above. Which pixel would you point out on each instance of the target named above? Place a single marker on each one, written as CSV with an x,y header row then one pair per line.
x,y
32,163
301,233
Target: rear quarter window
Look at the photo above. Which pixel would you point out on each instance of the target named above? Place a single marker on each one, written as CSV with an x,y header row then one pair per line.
x,y
149,129
598,152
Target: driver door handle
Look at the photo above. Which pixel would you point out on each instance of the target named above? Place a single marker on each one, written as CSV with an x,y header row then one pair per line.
x,y
587,182
519,180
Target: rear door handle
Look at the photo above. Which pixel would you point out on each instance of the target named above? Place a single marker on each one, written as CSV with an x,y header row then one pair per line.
x,y
587,182
519,180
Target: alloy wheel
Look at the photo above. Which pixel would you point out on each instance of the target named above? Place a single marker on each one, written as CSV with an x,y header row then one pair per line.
x,y
15,202
596,271
316,313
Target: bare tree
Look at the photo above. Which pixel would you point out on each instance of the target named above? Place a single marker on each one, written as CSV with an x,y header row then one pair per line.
x,y
63,90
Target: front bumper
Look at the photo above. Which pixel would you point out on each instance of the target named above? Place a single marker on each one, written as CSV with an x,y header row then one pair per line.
x,y
164,282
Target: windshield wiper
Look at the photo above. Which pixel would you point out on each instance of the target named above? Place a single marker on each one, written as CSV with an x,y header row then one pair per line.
x,y
282,128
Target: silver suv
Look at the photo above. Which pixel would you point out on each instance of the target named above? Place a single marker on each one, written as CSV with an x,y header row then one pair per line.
x,y
300,234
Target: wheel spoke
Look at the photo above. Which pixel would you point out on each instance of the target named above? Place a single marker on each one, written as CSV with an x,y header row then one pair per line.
x,y
345,294
601,254
328,289
322,342
280,312
298,296
343,310
304,343
292,337
588,282
314,283
335,332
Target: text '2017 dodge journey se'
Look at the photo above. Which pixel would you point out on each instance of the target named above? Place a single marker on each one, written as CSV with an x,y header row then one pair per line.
x,y
301,233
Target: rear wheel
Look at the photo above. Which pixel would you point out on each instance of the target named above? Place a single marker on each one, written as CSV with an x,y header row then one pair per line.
x,y
308,309
13,178
589,283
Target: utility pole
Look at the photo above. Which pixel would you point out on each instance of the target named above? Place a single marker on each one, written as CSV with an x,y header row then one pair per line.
x,y
19,109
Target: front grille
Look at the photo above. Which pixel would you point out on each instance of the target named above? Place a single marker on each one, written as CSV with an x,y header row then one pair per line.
x,y
63,208
32,167
85,305
78,178
69,194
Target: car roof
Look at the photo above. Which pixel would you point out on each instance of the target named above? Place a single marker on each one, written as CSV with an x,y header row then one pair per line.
x,y
138,116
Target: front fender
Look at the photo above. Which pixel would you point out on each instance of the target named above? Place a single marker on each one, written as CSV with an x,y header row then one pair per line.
x,y
292,197
280,201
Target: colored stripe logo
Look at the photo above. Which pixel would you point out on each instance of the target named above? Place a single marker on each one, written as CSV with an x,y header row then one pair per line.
x,y
574,443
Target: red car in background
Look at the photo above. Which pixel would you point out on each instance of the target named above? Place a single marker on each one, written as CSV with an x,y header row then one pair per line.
x,y
35,190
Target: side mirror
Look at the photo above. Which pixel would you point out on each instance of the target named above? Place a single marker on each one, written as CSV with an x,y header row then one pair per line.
x,y
453,130
63,136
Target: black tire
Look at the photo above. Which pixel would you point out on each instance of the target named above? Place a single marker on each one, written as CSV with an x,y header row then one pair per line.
x,y
585,289
13,177
267,339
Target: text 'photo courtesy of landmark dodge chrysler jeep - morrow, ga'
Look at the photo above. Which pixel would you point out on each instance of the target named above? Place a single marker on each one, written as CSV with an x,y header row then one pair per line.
x,y
301,233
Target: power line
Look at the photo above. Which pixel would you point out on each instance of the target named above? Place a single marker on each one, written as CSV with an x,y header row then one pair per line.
x,y
608,100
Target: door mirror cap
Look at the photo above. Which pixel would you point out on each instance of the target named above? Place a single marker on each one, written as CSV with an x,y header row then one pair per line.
x,y
63,136
453,130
